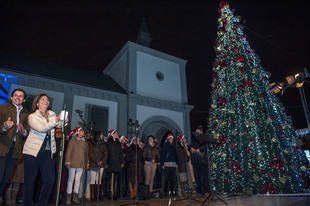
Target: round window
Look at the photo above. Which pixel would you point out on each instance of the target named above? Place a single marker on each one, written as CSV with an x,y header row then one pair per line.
x,y
160,76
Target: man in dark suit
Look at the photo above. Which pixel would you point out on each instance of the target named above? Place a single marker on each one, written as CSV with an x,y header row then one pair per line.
x,y
200,159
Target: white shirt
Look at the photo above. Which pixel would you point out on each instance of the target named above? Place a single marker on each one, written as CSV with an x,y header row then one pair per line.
x,y
18,110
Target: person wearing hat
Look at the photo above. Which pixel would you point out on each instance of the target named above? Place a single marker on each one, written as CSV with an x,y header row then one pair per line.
x,y
124,141
14,129
74,160
39,149
123,184
98,155
169,163
115,163
183,157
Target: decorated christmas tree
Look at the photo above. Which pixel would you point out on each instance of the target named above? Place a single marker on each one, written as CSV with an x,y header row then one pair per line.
x,y
256,152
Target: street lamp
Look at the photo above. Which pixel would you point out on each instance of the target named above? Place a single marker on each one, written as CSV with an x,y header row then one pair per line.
x,y
133,128
295,81
290,81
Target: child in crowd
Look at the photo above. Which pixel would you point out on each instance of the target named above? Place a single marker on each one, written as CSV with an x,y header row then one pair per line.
x,y
75,161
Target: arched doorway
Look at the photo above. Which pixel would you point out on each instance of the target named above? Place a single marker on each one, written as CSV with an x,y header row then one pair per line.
x,y
159,127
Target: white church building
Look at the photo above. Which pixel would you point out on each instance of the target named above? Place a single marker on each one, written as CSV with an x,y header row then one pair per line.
x,y
140,83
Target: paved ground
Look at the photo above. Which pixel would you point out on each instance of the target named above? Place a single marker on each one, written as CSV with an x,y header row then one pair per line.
x,y
257,200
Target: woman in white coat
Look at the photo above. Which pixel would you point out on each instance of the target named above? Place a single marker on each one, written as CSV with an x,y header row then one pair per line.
x,y
39,149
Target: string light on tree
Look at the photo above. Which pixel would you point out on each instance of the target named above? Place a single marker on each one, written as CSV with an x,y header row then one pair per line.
x,y
250,122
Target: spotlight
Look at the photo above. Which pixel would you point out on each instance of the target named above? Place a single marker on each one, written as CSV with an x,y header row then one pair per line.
x,y
277,87
290,80
300,78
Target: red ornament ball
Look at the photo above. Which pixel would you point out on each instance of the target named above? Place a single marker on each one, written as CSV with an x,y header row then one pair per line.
x,y
261,96
233,94
301,174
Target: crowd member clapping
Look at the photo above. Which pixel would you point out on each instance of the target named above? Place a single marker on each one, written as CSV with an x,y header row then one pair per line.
x,y
14,129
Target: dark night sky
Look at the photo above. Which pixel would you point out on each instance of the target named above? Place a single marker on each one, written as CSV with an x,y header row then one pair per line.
x,y
88,35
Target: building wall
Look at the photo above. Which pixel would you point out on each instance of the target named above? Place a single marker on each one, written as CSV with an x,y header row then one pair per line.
x,y
158,78
80,102
145,112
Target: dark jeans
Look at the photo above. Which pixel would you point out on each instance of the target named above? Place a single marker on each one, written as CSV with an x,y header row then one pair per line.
x,y
123,183
7,164
171,180
201,174
33,165
116,184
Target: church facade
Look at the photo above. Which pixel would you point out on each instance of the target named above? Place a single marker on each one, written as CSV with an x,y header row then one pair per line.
x,y
140,85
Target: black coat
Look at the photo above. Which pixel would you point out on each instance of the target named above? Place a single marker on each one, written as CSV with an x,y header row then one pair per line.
x,y
115,155
182,158
97,153
134,161
201,141
151,152
168,154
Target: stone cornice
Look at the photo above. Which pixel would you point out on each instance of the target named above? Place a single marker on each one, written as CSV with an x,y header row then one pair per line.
x,y
152,102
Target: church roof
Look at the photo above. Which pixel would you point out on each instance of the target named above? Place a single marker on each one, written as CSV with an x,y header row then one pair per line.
x,y
53,71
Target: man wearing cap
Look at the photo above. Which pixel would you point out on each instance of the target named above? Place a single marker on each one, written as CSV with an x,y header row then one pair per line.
x,y
115,163
14,127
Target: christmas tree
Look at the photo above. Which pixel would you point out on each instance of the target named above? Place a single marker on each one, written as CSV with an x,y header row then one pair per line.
x,y
256,152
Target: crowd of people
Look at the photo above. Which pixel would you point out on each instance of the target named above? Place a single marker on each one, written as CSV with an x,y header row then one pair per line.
x,y
95,165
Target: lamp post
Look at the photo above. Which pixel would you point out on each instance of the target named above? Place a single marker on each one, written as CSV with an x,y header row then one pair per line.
x,y
133,128
295,81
